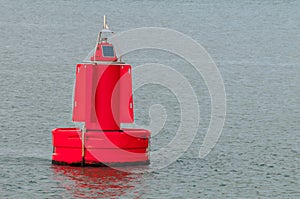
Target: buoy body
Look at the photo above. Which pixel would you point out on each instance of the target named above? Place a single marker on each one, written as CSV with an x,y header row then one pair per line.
x,y
102,101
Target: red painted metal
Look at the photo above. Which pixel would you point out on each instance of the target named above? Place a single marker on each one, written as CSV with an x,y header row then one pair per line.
x,y
103,96
110,148
102,101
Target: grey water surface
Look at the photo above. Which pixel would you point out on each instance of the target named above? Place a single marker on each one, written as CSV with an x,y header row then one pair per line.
x,y
256,46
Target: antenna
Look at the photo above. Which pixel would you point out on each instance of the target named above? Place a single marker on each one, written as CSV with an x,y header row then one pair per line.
x,y
105,26
104,21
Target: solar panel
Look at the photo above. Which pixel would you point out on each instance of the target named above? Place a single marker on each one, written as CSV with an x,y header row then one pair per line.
x,y
108,51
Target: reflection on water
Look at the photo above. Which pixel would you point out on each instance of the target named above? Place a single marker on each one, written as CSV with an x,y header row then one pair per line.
x,y
95,182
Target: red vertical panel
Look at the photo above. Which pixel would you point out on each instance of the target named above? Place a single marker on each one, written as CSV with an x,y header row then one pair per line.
x,y
90,87
107,109
79,104
126,101
103,96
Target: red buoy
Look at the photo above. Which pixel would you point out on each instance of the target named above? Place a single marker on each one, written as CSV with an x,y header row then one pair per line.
x,y
102,101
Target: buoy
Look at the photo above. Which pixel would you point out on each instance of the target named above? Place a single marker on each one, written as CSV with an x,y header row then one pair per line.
x,y
102,101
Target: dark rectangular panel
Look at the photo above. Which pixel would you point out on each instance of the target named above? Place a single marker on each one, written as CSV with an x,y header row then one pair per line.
x,y
108,51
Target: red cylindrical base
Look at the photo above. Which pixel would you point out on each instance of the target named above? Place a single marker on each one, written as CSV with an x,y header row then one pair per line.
x,y
100,148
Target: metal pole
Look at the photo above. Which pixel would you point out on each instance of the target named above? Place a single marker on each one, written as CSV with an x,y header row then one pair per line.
x,y
83,130
104,22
